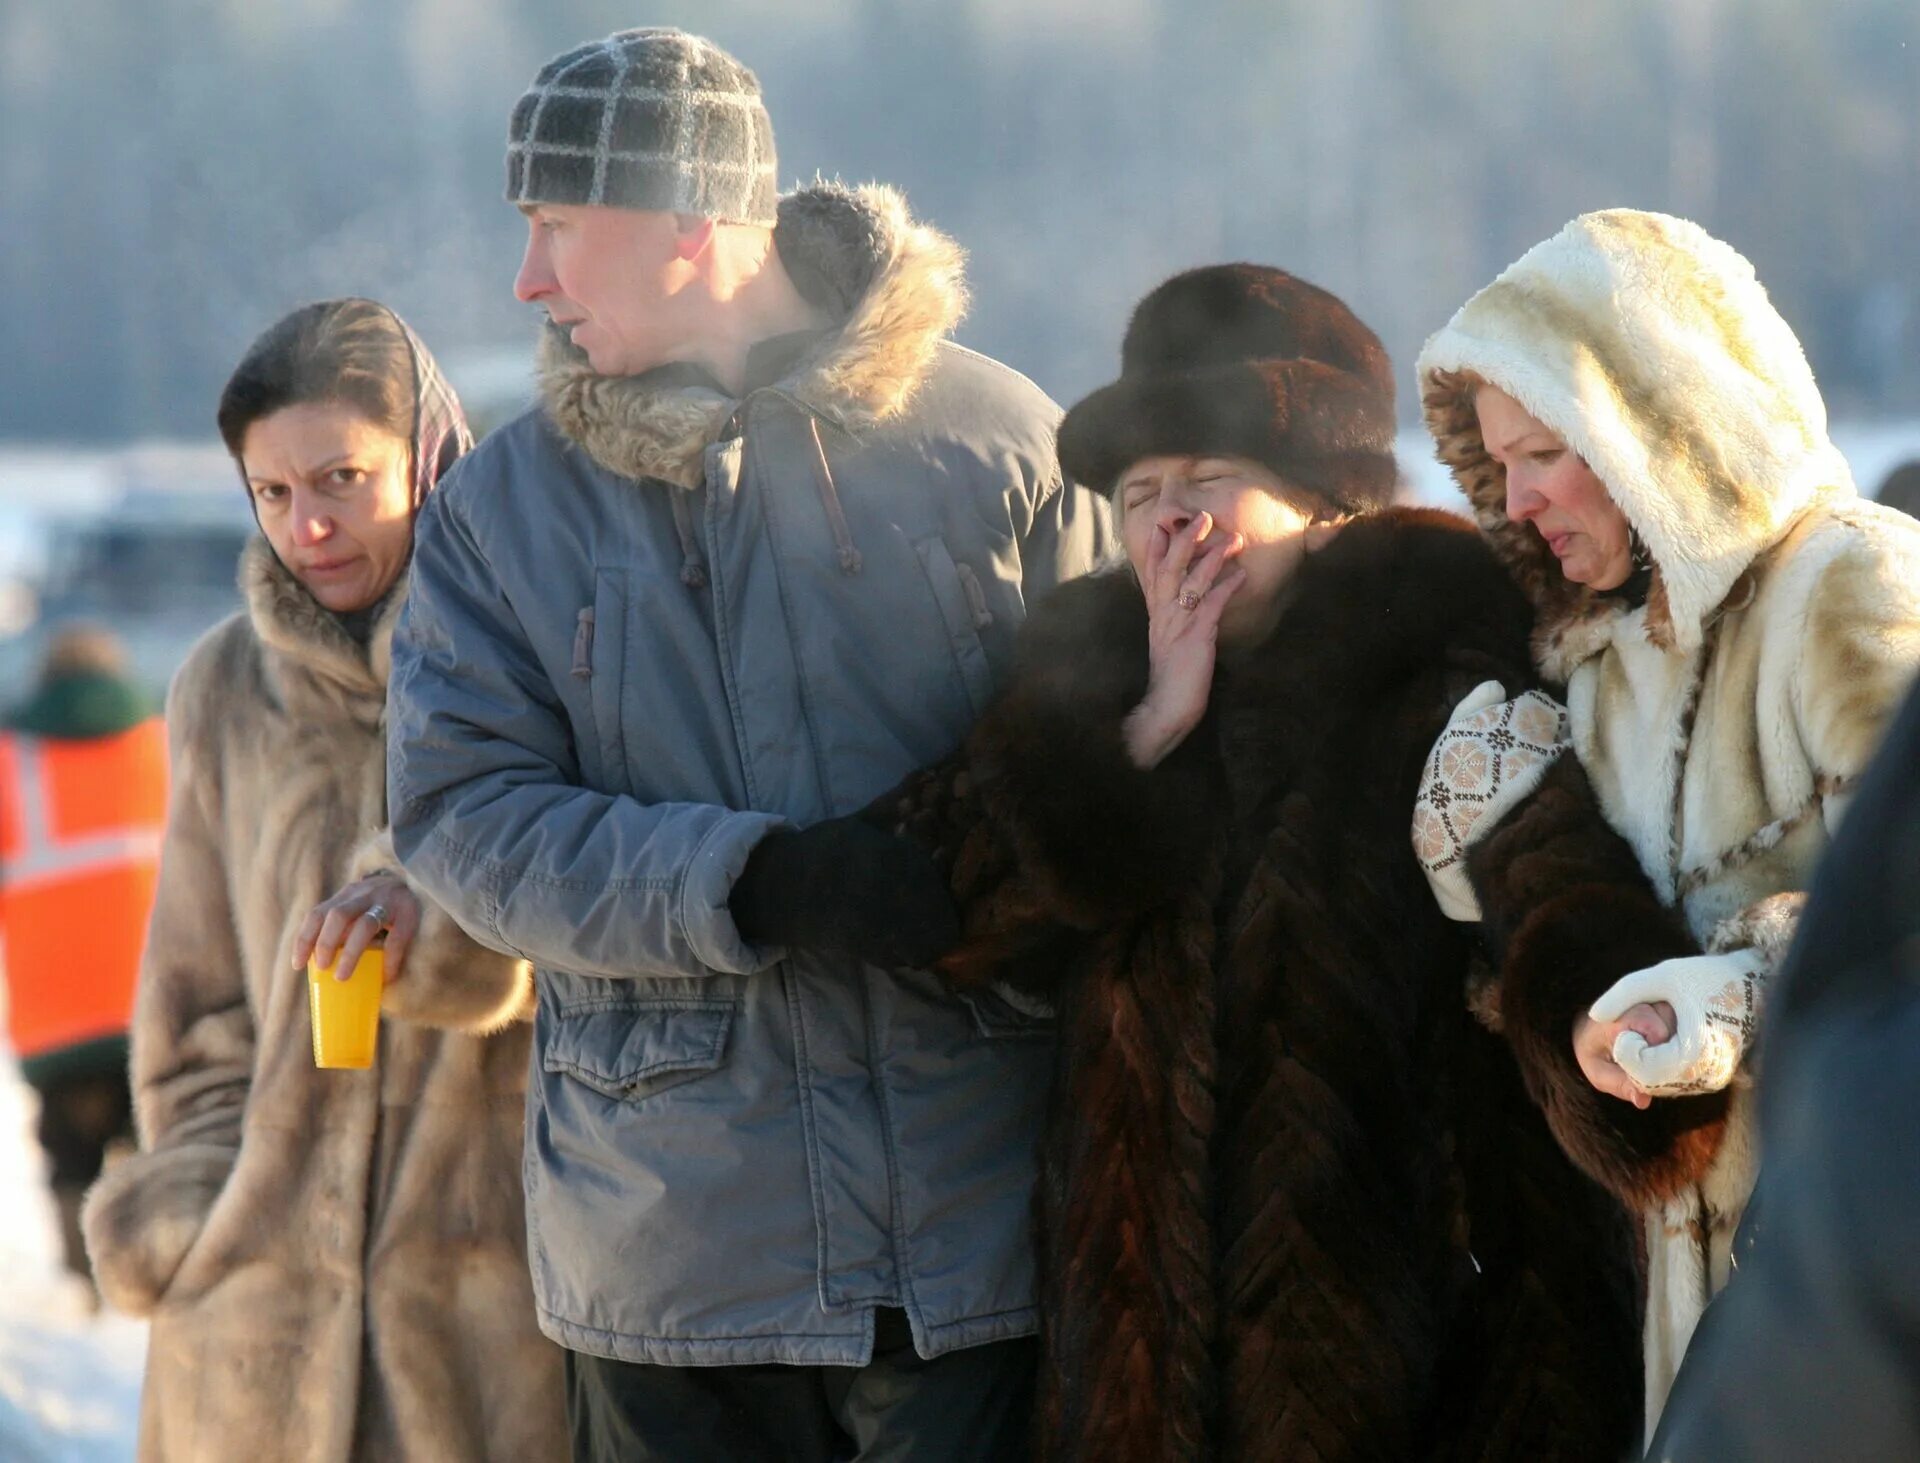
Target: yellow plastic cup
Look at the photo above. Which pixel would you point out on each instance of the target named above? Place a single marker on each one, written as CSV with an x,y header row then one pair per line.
x,y
346,1013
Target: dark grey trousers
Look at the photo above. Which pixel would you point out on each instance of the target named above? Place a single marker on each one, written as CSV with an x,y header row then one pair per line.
x,y
974,1405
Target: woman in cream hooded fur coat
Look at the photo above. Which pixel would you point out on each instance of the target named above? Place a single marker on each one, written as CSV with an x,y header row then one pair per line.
x,y
1722,702
334,1261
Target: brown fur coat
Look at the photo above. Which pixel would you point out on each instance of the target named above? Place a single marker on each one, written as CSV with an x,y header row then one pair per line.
x,y
1295,1204
334,1262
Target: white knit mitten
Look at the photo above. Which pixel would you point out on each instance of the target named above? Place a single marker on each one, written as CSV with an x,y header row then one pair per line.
x,y
1492,754
1716,1011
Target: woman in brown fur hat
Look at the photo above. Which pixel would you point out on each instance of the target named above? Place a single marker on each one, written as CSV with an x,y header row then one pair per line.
x,y
334,1261
1294,1201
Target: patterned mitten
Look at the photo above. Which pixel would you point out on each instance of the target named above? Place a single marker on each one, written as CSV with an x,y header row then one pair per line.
x,y
1716,1010
1492,754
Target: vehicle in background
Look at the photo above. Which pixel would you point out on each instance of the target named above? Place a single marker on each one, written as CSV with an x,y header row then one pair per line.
x,y
145,542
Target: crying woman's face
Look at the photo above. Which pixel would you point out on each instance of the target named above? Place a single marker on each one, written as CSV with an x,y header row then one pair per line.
x,y
1253,517
1550,487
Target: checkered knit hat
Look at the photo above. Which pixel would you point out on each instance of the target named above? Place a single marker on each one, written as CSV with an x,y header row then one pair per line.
x,y
651,119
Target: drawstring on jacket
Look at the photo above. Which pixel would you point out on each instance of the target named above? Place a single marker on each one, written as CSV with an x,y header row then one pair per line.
x,y
844,548
693,568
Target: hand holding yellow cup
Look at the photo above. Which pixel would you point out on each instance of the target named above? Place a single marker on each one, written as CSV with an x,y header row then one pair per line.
x,y
346,1013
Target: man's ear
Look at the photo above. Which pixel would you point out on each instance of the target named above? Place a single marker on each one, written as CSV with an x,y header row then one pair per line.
x,y
692,235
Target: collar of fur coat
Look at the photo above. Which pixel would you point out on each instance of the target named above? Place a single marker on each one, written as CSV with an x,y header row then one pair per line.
x,y
899,285
320,660
1653,350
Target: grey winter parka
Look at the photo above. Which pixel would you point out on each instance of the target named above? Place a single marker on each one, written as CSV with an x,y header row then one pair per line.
x,y
648,625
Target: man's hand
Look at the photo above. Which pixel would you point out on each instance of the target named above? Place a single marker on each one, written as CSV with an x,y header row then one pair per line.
x,y
846,888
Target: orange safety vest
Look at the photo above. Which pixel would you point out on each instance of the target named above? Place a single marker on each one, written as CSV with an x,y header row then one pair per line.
x,y
80,826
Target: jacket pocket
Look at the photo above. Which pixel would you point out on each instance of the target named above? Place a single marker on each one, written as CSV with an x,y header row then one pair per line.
x,y
963,607
631,1049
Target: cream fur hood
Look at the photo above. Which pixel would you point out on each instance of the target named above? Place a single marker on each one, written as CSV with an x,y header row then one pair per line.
x,y
1783,621
896,287
1654,351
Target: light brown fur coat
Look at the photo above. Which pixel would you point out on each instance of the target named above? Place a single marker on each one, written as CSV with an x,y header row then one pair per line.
x,y
334,1261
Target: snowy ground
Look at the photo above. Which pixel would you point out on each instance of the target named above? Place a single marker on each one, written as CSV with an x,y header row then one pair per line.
x,y
69,1380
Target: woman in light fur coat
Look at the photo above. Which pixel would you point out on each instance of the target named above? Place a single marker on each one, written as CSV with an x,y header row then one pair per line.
x,y
334,1261
1643,443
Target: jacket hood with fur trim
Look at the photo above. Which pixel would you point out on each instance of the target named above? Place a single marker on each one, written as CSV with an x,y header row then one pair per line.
x,y
1654,351
895,287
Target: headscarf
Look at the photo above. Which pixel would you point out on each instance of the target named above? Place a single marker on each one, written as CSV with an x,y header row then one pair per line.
x,y
441,435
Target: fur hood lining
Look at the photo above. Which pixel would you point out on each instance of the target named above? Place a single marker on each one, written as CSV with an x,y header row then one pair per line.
x,y
1654,351
905,282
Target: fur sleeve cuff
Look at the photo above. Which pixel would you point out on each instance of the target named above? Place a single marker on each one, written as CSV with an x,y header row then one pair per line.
x,y
143,1216
1569,913
1560,961
448,981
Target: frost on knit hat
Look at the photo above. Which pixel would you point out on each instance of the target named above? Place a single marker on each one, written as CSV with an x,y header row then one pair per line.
x,y
651,119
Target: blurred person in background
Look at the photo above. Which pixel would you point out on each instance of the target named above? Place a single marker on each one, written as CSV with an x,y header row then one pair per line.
x,y
1813,1352
1642,441
334,1261
1901,489
760,551
83,795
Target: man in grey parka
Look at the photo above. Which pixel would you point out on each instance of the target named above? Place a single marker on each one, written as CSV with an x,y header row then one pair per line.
x,y
760,551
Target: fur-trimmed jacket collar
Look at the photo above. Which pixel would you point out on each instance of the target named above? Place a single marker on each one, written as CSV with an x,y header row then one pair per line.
x,y
895,287
317,663
1293,1201
1652,349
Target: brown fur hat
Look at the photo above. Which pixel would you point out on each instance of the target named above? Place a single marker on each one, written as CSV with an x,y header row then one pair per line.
x,y
1246,361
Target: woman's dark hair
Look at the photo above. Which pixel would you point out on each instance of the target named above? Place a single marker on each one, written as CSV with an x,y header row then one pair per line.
x,y
352,351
